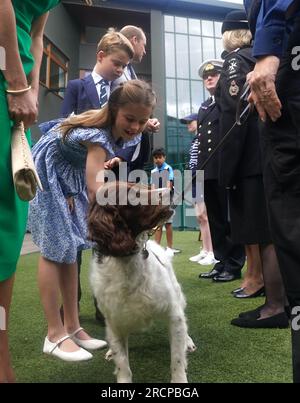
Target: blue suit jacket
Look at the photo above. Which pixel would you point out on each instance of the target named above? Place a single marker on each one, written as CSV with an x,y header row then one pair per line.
x,y
80,96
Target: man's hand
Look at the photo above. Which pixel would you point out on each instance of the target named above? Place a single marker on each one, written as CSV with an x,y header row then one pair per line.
x,y
263,92
114,162
152,125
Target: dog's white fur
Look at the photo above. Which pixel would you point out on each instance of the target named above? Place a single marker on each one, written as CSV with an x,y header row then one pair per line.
x,y
132,291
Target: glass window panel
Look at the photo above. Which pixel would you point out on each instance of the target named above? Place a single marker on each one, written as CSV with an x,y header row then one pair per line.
x,y
195,41
207,28
170,55
208,48
195,55
218,26
183,98
173,140
181,25
182,56
57,77
194,27
219,48
171,99
197,95
169,23
59,55
172,121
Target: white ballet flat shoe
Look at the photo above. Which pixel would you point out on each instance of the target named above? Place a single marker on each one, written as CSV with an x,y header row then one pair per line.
x,y
53,349
90,344
198,257
208,259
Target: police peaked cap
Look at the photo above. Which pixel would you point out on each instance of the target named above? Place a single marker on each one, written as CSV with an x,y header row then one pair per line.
x,y
235,20
210,66
189,118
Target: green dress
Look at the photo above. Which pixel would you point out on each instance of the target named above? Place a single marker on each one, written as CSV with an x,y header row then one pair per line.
x,y
13,212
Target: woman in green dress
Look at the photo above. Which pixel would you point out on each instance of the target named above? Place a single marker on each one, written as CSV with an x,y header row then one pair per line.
x,y
22,25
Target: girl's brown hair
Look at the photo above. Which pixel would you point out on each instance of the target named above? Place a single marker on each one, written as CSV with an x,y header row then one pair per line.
x,y
130,92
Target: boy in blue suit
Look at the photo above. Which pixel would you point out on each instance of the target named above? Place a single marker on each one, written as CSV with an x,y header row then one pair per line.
x,y
92,92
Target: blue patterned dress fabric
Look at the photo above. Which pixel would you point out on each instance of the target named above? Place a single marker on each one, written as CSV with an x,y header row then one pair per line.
x,y
58,232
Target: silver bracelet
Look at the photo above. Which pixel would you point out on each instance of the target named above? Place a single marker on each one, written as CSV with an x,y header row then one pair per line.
x,y
16,92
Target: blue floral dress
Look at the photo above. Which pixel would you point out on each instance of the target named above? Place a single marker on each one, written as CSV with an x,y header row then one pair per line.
x,y
59,233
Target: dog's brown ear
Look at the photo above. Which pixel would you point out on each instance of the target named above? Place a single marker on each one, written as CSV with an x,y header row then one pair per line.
x,y
109,231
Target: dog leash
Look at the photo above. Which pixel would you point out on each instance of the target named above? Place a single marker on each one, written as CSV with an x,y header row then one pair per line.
x,y
241,117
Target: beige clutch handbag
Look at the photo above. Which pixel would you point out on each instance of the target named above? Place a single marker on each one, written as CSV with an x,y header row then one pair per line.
x,y
25,176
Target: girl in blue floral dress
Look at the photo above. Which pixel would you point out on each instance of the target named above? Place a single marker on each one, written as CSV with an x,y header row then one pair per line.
x,y
69,157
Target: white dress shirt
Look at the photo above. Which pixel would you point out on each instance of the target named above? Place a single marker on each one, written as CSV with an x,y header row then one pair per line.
x,y
97,78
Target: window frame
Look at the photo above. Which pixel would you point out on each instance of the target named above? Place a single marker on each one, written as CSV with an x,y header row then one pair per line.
x,y
49,52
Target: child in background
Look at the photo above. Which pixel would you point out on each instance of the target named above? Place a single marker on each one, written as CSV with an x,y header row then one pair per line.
x,y
159,159
69,157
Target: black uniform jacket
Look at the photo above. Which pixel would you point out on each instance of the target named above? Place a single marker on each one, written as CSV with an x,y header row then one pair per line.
x,y
208,137
240,155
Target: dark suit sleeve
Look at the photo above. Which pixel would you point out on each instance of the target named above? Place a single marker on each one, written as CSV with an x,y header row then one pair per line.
x,y
232,80
69,104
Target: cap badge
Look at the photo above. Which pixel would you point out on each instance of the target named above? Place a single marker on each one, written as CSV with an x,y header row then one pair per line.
x,y
209,67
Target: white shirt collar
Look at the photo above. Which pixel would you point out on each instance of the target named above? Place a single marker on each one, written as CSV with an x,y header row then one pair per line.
x,y
97,77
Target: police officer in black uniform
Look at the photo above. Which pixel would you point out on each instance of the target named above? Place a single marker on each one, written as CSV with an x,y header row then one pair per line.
x,y
231,256
241,172
275,86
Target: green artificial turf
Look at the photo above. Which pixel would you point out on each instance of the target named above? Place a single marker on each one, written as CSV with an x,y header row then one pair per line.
x,y
225,353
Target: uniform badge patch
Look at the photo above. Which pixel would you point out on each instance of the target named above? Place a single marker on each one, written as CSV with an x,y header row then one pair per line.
x,y
234,89
232,66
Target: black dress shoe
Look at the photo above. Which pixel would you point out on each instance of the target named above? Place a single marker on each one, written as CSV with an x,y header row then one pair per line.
x,y
226,276
210,274
258,293
279,321
237,290
255,313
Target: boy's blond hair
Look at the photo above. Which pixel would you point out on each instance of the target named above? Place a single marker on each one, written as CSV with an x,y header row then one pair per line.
x,y
114,41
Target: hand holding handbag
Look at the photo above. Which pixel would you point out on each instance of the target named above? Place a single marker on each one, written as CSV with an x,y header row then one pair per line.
x,y
24,173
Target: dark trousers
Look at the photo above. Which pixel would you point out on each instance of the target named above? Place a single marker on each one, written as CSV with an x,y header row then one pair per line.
x,y
281,156
230,255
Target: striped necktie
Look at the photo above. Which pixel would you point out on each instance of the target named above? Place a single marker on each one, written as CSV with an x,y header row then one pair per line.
x,y
103,94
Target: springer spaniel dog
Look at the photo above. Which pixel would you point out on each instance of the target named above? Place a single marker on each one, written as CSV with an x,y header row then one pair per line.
x,y
133,279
